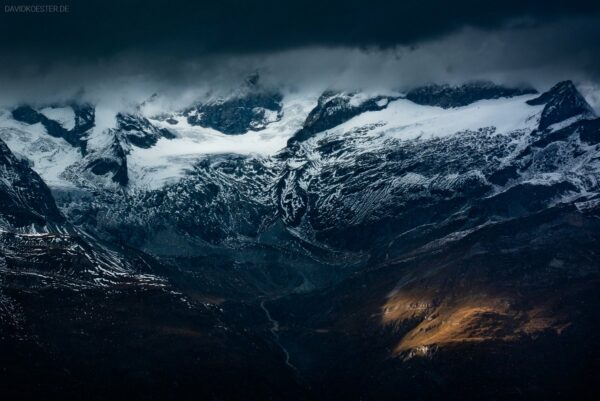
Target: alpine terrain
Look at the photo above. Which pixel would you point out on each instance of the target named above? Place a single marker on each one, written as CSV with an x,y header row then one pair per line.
x,y
280,244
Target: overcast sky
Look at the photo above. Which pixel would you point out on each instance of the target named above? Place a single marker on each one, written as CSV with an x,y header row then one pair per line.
x,y
102,48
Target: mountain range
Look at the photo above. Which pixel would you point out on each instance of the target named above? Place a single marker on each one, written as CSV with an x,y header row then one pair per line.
x,y
271,245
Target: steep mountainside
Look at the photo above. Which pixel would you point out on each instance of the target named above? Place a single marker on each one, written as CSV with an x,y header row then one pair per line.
x,y
505,311
75,311
39,244
24,198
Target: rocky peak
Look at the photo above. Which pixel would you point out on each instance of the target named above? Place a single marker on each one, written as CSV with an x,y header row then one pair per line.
x,y
139,131
334,108
561,102
447,96
84,120
250,111
109,160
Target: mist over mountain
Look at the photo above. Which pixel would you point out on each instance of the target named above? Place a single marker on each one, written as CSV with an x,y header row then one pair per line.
x,y
522,44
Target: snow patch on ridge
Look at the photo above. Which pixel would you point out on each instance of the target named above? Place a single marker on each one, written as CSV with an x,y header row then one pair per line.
x,y
169,159
404,120
65,116
49,156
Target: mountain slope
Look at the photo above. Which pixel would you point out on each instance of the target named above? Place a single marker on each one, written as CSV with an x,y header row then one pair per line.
x,y
503,311
75,311
24,198
424,245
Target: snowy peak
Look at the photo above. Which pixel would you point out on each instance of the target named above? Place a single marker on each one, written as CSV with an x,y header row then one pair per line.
x,y
250,108
335,108
139,131
252,111
111,160
561,89
107,151
148,152
71,122
562,101
447,96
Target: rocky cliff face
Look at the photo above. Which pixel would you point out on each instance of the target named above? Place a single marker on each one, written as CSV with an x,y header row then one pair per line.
x,y
334,108
447,96
24,198
253,111
74,133
561,102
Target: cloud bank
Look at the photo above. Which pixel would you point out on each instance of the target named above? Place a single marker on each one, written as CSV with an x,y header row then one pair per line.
x,y
343,46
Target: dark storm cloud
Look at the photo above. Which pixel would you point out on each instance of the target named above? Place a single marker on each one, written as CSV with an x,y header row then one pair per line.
x,y
95,28
120,54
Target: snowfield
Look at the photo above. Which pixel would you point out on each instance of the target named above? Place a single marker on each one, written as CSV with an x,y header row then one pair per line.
x,y
169,159
65,116
48,155
403,119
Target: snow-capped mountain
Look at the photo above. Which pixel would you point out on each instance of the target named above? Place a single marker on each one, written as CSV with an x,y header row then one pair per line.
x,y
312,231
447,96
410,166
39,244
250,108
334,108
237,115
357,160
